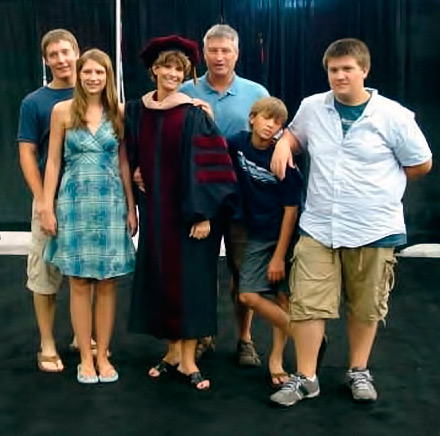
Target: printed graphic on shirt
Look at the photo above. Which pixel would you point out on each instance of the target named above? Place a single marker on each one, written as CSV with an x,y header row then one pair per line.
x,y
346,124
257,173
349,114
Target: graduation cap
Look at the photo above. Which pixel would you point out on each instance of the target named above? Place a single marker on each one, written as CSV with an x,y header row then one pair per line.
x,y
151,50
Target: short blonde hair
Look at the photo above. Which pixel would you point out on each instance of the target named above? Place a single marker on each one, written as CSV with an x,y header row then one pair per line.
x,y
58,35
165,57
270,107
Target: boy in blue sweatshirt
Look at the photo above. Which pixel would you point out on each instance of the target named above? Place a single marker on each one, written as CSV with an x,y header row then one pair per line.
x,y
270,209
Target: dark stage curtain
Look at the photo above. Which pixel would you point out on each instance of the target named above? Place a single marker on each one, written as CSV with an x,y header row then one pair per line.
x,y
142,20
24,22
282,43
281,46
19,74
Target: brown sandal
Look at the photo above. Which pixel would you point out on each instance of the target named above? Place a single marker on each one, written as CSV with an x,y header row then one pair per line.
x,y
205,347
42,360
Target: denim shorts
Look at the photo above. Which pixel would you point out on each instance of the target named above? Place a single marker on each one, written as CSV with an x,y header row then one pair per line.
x,y
253,274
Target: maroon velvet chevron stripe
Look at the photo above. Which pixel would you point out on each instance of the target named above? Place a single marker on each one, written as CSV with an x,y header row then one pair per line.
x,y
210,142
225,176
206,159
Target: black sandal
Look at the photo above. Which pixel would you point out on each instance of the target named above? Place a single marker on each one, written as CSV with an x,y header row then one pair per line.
x,y
163,368
195,378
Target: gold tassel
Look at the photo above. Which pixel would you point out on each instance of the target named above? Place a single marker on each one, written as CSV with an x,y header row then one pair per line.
x,y
194,74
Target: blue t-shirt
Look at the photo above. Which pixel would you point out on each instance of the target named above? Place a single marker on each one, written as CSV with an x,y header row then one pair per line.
x,y
263,195
349,114
231,109
35,112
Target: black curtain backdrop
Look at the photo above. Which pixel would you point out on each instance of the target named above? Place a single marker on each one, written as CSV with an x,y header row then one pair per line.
x,y
281,46
23,24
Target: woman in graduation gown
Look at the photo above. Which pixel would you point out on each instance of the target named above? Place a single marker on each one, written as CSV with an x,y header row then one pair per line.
x,y
189,182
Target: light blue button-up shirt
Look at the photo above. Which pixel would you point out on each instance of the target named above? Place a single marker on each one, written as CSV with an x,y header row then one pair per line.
x,y
231,108
356,182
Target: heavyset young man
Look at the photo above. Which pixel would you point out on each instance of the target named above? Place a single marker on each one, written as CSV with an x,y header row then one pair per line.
x,y
363,147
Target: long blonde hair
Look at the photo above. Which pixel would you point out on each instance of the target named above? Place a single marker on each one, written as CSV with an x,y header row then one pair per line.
x,y
109,96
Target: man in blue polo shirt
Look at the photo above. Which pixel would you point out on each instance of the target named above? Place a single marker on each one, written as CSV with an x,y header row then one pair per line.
x,y
231,98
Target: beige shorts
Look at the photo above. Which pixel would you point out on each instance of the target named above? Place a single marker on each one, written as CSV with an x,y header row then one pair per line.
x,y
43,277
365,275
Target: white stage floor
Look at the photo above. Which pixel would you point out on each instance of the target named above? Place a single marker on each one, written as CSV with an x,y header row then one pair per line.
x,y
17,243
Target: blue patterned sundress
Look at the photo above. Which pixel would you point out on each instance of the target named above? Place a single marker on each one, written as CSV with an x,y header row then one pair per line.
x,y
93,239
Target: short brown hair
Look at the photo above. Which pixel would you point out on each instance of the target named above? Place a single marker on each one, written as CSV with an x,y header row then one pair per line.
x,y
271,107
348,47
165,57
57,35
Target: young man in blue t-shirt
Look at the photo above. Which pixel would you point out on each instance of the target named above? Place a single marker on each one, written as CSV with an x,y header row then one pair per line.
x,y
60,51
270,211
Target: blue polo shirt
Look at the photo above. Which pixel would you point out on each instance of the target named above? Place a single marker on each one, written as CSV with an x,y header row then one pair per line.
x,y
231,108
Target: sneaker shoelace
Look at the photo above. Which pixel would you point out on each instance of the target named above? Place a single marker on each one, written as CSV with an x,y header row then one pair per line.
x,y
361,379
292,384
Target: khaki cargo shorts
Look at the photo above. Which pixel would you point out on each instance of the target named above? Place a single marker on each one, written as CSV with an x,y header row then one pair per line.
x,y
365,275
43,277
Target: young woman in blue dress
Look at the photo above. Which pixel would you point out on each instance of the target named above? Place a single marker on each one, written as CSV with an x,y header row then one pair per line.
x,y
95,216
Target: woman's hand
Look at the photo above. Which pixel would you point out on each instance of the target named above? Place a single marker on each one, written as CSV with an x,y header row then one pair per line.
x,y
203,105
132,221
276,270
200,230
138,180
48,222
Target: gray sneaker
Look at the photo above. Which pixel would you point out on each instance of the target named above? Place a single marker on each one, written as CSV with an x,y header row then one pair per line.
x,y
360,382
246,354
295,389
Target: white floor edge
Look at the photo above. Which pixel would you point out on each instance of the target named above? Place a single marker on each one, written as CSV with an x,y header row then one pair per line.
x,y
17,243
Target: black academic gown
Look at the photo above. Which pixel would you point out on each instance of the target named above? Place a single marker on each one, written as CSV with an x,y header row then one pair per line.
x,y
188,177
